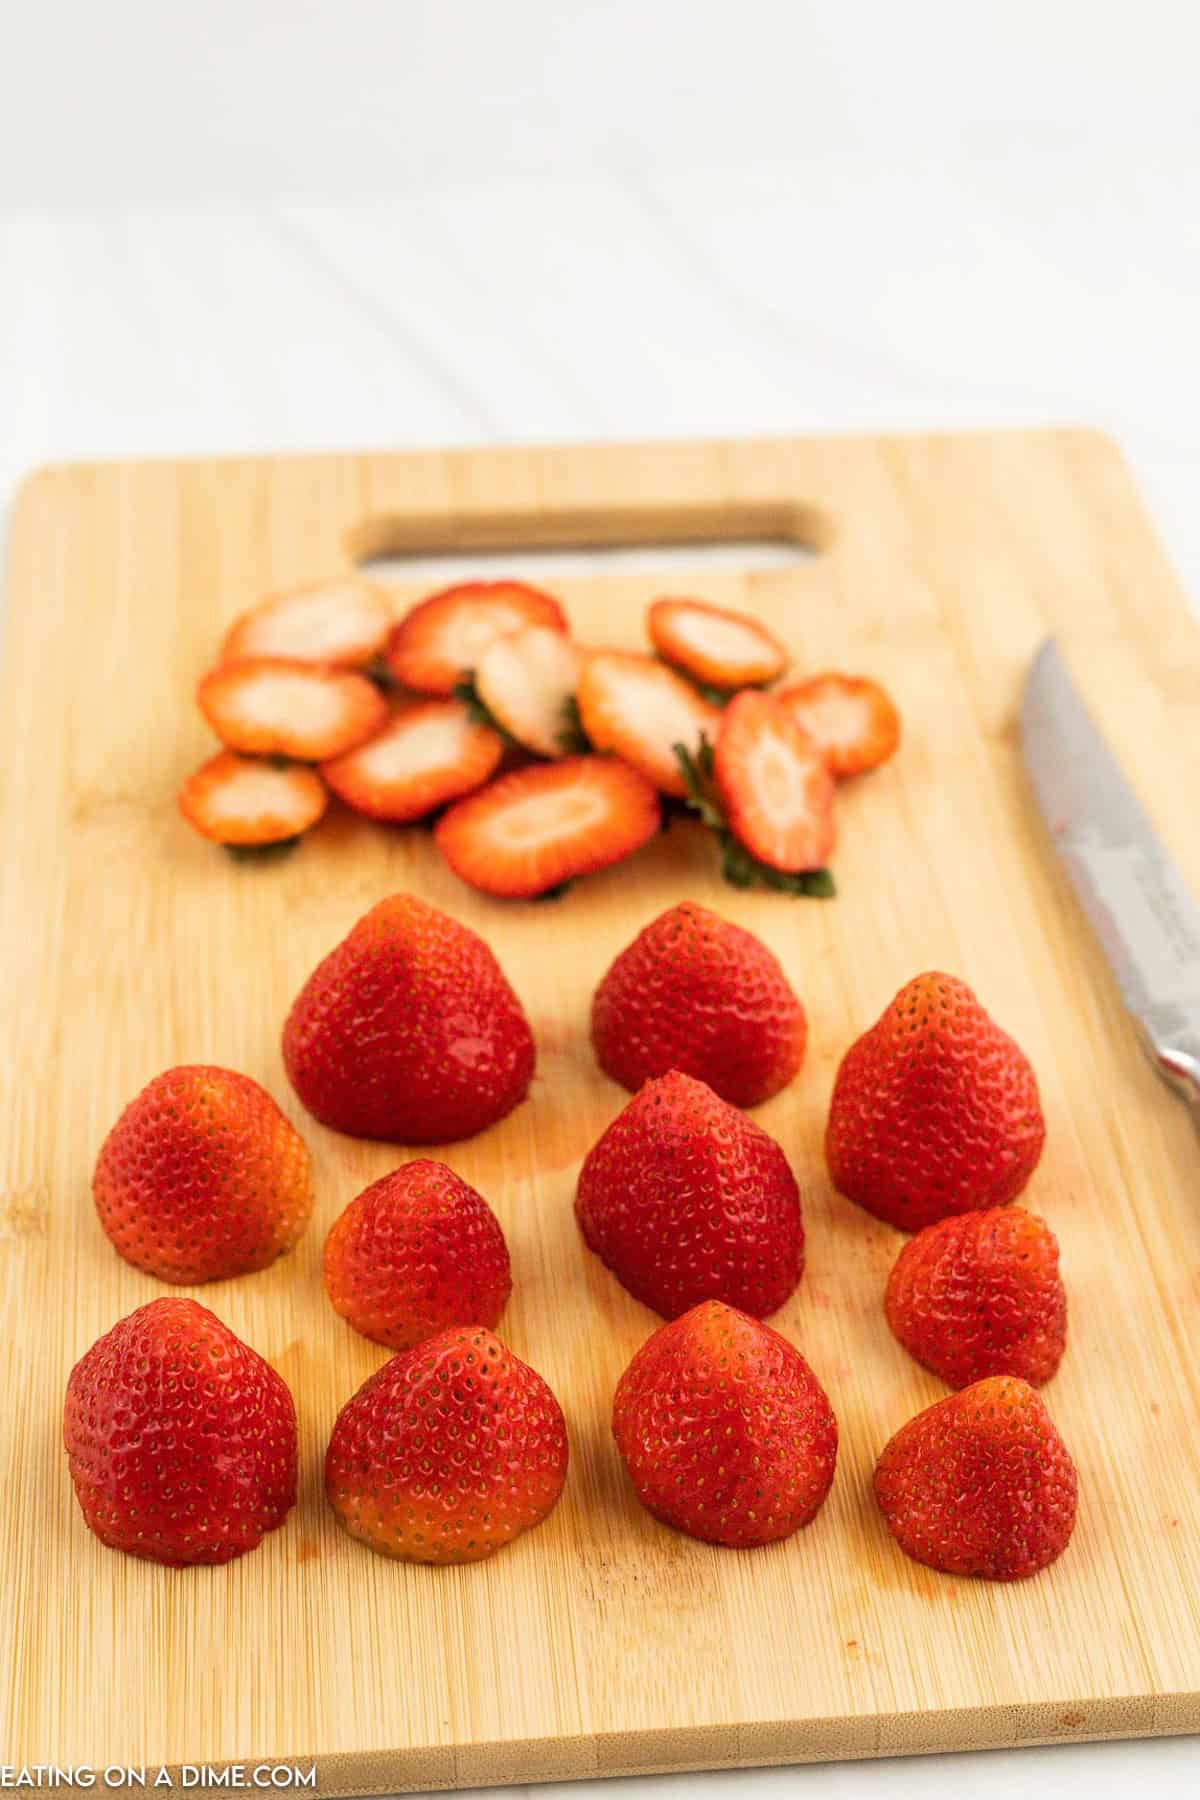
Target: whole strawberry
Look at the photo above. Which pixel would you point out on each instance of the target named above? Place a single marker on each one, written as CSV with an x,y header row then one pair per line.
x,y
980,1294
202,1177
181,1440
695,993
415,1252
686,1200
935,1110
409,1031
448,1452
725,1430
980,1484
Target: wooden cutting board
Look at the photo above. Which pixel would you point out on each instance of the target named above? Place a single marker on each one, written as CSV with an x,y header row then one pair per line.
x,y
602,1643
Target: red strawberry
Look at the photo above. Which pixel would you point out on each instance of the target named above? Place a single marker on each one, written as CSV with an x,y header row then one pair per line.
x,y
202,1177
274,706
409,1031
639,709
726,1432
851,720
774,787
695,993
181,1440
448,1452
429,753
978,1294
527,681
243,801
415,1252
721,648
343,622
935,1110
686,1199
538,827
980,1484
439,642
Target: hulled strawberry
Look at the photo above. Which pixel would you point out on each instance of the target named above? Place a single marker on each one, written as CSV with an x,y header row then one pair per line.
x,y
408,1031
685,1199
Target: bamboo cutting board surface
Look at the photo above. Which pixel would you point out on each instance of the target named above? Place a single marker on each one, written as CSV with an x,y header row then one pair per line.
x,y
601,1643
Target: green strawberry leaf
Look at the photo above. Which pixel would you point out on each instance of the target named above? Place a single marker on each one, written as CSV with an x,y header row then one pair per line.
x,y
738,866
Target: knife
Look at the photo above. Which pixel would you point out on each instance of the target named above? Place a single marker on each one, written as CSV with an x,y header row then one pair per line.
x,y
1133,893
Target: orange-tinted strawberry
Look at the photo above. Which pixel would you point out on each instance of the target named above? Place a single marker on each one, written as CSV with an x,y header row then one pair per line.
x,y
722,648
696,993
686,1199
415,1252
344,622
979,1293
202,1177
409,1031
438,642
527,681
448,1452
181,1440
430,752
726,1432
538,827
935,1110
640,709
980,1484
244,801
272,706
850,719
775,789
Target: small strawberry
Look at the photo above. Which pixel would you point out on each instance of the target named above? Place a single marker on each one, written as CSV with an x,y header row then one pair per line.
x,y
448,1452
686,1199
774,787
935,1110
408,1031
980,1484
430,752
417,1251
181,1440
202,1178
272,706
243,801
526,680
721,648
343,622
851,720
640,709
439,642
698,994
532,830
726,1432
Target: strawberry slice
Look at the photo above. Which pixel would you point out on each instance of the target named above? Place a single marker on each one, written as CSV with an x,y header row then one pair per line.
x,y
430,752
344,622
527,681
721,648
239,800
640,710
440,641
276,706
850,719
541,826
775,788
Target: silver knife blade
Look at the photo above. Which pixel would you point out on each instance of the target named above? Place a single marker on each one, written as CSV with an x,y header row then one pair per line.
x,y
1132,891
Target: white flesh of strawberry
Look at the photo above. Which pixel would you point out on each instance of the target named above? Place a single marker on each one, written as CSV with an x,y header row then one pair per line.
x,y
833,719
724,641
402,751
340,619
526,679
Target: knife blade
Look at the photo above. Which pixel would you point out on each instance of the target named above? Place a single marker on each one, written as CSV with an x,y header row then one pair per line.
x,y
1130,888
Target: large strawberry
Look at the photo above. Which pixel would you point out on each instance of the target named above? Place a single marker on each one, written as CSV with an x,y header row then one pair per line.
x,y
935,1110
686,1200
725,1430
202,1177
409,1031
980,1294
181,1440
695,993
980,1484
448,1452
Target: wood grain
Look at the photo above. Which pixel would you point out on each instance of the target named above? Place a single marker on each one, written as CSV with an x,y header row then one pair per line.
x,y
601,1643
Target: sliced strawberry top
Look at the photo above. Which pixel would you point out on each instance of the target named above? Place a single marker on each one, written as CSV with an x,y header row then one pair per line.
x,y
430,752
639,709
239,800
775,788
276,706
723,648
850,719
440,641
527,681
344,622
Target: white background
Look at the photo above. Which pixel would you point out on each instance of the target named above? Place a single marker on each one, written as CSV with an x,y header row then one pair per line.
x,y
260,224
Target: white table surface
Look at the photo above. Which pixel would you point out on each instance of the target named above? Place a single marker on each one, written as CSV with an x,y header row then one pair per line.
x,y
270,226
